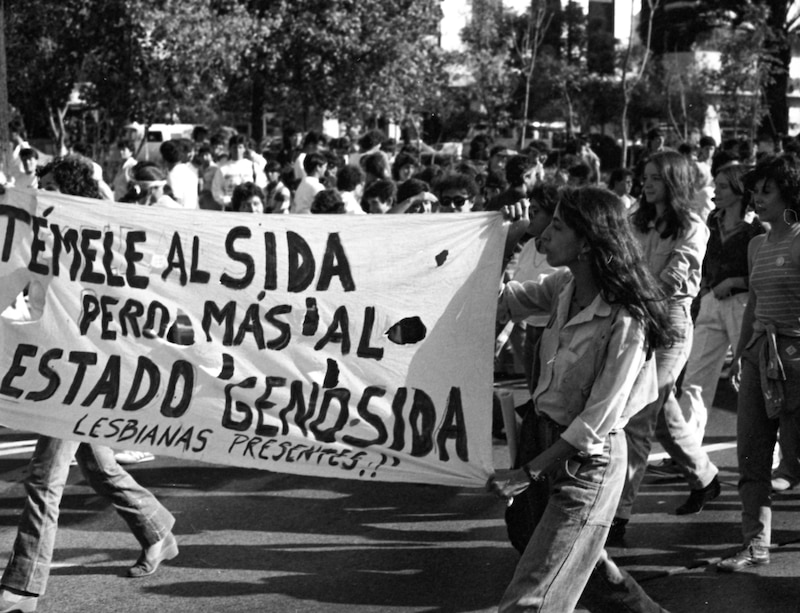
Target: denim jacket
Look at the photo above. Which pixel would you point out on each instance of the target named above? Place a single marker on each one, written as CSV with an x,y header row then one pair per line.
x,y
676,262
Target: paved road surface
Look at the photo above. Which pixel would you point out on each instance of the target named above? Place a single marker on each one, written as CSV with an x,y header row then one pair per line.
x,y
259,541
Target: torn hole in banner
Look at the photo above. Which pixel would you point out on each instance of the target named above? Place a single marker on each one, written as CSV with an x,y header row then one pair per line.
x,y
407,331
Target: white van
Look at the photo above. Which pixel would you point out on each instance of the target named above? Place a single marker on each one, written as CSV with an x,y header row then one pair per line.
x,y
157,133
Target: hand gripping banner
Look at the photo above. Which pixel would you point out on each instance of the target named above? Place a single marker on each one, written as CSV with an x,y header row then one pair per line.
x,y
357,347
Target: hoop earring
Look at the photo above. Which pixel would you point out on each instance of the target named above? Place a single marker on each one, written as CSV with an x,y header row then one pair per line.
x,y
794,213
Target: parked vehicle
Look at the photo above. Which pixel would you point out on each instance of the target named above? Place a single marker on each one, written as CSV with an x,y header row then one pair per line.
x,y
148,145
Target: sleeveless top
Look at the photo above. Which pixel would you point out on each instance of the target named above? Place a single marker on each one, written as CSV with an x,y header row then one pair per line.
x,y
776,283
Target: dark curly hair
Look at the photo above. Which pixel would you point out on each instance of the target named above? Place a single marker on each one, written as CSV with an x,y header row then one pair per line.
x,y
598,215
679,186
73,174
243,192
784,171
328,201
546,196
456,181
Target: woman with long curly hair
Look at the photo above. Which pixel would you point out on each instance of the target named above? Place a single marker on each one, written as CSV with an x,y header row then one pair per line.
x,y
593,374
673,241
767,353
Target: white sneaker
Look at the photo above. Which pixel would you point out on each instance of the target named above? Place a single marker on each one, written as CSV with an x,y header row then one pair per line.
x,y
10,602
132,457
781,484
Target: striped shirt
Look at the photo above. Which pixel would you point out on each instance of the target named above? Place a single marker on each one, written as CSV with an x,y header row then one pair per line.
x,y
776,282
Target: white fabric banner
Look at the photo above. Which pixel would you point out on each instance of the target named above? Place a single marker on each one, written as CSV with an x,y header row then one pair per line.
x,y
345,346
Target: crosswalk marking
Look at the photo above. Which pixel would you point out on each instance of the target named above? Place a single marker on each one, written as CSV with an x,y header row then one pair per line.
x,y
663,455
12,444
13,448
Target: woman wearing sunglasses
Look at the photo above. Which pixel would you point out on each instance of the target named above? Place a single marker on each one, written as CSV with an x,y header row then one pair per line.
x,y
456,192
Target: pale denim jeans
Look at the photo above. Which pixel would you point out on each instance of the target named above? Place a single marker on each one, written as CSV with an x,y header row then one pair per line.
x,y
29,566
664,419
568,540
717,328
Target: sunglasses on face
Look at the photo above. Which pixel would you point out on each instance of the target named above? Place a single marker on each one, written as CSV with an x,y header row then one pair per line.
x,y
458,201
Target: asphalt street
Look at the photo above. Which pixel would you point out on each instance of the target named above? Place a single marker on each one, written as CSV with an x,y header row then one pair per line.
x,y
259,541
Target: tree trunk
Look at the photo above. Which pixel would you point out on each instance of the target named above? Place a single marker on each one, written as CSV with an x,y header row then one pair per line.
x,y
523,134
624,122
258,105
777,120
779,48
5,155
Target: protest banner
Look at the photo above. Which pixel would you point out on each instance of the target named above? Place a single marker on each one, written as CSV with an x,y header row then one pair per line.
x,y
341,346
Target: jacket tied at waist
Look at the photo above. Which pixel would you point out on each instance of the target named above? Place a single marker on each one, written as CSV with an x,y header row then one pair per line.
x,y
770,365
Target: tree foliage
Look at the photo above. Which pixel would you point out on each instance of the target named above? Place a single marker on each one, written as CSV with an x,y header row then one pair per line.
x,y
349,57
772,25
164,60
169,60
46,44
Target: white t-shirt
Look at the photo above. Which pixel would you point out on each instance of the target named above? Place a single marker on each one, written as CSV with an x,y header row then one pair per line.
x,y
233,173
304,196
184,183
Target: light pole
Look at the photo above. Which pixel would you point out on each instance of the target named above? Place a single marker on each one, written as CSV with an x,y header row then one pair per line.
x,y
4,140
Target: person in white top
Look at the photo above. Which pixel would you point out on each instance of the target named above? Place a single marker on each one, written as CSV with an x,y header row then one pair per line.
x,y
620,181
350,183
151,181
237,170
311,144
180,177
315,165
367,144
30,159
16,133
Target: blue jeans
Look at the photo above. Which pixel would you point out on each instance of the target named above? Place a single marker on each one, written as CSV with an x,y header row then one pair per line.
x,y
664,419
29,566
755,438
569,539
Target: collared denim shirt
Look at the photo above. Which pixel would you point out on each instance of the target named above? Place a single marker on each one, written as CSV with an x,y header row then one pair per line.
x,y
593,371
676,262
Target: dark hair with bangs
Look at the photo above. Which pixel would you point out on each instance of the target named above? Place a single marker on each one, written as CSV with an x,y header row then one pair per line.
x,y
546,196
598,215
679,188
456,180
784,171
